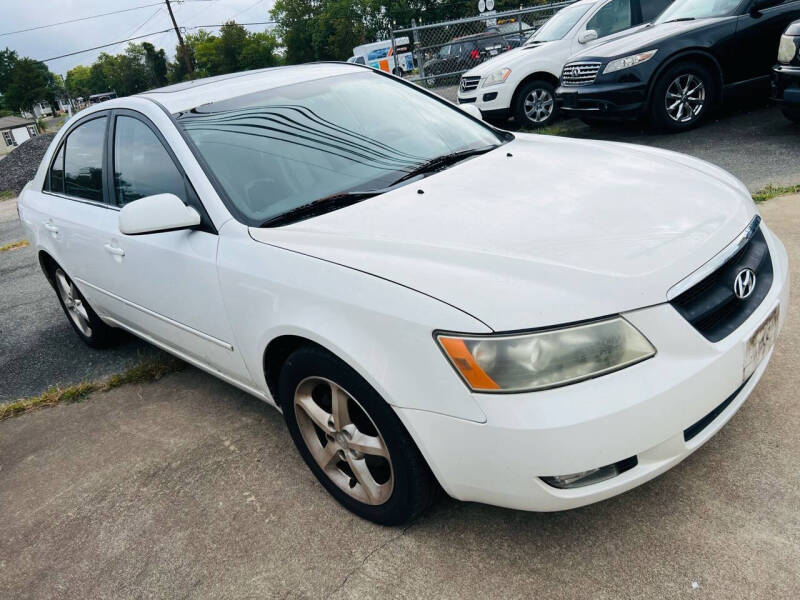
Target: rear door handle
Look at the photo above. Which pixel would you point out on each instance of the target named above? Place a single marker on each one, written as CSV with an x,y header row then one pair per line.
x,y
115,250
50,227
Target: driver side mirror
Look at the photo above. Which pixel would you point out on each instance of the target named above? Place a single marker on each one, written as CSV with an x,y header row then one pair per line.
x,y
587,36
472,111
153,214
759,5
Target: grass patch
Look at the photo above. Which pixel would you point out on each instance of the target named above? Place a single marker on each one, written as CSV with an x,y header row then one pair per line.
x,y
7,195
557,129
14,246
772,191
147,370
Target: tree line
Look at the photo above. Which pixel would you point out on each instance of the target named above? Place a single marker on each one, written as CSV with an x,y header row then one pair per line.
x,y
306,31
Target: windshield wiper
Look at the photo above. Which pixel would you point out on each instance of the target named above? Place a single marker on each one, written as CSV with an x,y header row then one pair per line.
x,y
680,19
319,207
440,162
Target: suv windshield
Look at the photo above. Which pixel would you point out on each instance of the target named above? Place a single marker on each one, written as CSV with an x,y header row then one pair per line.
x,y
284,148
697,9
560,23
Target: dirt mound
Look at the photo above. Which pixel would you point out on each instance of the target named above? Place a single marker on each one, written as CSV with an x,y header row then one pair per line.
x,y
19,167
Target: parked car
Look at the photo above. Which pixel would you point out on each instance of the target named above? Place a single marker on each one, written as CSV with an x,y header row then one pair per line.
x,y
522,83
515,32
675,71
432,304
786,74
461,54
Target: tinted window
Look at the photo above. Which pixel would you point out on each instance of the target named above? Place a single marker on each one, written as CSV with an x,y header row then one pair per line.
x,y
83,162
142,166
56,181
613,17
698,9
652,8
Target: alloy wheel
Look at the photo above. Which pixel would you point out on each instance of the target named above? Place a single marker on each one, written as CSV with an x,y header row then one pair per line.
x,y
539,105
343,440
685,98
73,303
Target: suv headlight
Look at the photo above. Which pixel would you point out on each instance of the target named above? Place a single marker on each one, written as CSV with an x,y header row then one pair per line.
x,y
788,49
544,359
497,77
629,61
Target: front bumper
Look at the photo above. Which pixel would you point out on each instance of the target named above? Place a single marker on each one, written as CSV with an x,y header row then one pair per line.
x,y
641,412
599,100
786,85
494,101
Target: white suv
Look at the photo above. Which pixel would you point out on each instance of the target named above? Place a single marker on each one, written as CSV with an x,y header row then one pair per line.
x,y
521,83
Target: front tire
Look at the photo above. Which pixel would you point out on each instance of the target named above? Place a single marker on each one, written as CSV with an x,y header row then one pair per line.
x,y
535,104
682,96
89,327
352,440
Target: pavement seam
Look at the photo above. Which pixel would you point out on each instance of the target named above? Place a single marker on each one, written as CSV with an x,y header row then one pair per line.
x,y
369,555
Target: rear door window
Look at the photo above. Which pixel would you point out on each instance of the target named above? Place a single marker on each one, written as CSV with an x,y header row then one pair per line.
x,y
83,161
55,179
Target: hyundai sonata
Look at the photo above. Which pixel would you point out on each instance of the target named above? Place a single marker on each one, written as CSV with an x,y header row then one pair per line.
x,y
527,321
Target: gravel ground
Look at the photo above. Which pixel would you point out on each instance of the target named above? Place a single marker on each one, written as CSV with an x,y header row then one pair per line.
x,y
19,166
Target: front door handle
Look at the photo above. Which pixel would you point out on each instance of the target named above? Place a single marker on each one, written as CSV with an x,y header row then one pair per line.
x,y
50,227
115,250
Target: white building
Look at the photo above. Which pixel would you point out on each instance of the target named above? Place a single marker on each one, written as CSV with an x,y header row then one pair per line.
x,y
14,131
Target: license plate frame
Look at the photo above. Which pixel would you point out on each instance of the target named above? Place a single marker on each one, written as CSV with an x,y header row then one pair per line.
x,y
760,342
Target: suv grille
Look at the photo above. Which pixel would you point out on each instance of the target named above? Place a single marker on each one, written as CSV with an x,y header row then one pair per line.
x,y
469,83
580,73
711,305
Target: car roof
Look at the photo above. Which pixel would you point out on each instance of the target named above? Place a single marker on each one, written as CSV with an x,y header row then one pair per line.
x,y
187,95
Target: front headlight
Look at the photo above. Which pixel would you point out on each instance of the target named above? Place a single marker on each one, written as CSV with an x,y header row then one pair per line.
x,y
497,77
789,47
629,61
544,359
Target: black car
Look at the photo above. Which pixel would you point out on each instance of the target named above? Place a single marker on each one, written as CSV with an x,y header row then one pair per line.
x,y
461,54
786,74
677,68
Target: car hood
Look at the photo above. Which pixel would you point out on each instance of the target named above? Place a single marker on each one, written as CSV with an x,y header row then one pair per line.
x,y
540,231
514,57
645,38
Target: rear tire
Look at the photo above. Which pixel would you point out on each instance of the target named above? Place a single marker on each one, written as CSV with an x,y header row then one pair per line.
x,y
792,113
535,104
352,440
682,96
89,327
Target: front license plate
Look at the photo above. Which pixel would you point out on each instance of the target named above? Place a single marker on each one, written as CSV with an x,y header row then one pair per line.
x,y
760,342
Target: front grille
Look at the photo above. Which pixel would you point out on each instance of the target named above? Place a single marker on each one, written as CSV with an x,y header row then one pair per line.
x,y
469,83
711,305
579,73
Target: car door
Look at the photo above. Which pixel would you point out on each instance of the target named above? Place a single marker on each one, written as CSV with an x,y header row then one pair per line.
x,y
164,285
758,34
74,207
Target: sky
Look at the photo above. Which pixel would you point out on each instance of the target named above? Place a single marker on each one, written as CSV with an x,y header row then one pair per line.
x,y
62,39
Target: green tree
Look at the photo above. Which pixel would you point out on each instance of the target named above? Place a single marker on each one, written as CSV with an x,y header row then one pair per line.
x,y
8,58
156,63
29,82
78,82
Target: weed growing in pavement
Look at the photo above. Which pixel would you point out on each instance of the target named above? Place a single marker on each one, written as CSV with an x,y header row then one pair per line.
x,y
148,370
772,191
14,246
7,195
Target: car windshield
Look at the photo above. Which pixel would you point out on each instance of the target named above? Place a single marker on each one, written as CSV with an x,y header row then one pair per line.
x,y
697,9
444,51
560,23
284,148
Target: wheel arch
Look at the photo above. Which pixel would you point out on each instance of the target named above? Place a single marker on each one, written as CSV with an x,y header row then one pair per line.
x,y
275,354
47,264
698,54
543,75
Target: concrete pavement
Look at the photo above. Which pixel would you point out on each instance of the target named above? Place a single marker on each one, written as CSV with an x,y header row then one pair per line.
x,y
189,488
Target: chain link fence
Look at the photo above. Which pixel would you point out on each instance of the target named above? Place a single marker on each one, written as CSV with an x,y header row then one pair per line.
x,y
437,54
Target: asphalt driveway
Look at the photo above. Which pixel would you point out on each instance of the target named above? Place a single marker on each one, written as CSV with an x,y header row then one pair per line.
x,y
189,488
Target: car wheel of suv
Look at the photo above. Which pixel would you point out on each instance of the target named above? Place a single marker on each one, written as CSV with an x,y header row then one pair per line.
x,y
83,319
430,81
535,104
682,96
791,113
352,440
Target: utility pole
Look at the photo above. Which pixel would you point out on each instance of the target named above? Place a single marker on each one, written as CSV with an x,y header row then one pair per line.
x,y
184,51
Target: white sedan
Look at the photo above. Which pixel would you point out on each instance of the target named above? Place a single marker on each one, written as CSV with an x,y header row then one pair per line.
x,y
527,321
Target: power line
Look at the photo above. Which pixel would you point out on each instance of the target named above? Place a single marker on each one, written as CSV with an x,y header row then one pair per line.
x,y
116,12
252,23
138,37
